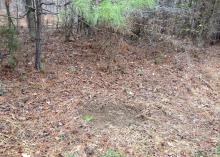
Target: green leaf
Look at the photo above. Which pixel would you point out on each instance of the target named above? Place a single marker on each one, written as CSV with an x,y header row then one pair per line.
x,y
70,155
200,154
61,137
112,153
87,118
217,150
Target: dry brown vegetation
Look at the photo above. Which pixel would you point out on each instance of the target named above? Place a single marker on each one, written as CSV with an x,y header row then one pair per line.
x,y
161,100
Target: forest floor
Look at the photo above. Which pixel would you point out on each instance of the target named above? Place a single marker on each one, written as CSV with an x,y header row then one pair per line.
x,y
97,97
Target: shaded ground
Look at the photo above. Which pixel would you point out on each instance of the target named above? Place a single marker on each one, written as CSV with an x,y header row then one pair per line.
x,y
145,100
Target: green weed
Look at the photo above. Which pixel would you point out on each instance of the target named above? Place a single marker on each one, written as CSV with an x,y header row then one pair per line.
x,y
112,153
87,118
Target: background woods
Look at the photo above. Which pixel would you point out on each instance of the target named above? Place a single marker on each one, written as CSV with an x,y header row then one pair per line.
x,y
196,20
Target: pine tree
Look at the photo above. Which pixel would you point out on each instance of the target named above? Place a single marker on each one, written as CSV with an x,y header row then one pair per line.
x,y
111,12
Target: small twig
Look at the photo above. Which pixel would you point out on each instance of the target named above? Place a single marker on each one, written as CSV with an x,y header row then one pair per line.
x,y
30,7
3,55
67,3
49,12
207,84
52,3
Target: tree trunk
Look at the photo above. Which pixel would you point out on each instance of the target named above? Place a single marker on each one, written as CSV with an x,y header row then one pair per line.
x,y
38,35
67,23
214,24
58,19
7,5
1,6
30,17
17,20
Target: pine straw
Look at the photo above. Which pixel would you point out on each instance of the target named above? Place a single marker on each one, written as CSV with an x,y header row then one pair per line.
x,y
145,100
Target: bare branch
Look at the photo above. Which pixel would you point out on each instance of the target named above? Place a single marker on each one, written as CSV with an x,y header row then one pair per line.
x,y
67,3
49,12
30,7
20,17
52,3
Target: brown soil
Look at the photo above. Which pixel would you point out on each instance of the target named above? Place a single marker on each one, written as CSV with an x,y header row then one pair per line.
x,y
145,100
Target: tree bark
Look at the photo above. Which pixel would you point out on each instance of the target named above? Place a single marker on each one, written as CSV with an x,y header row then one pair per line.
x,y
214,23
66,25
30,18
1,6
7,5
58,18
38,34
